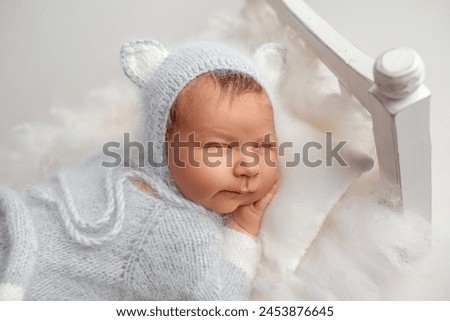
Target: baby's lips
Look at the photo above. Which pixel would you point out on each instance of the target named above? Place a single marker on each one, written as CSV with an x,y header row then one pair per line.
x,y
246,189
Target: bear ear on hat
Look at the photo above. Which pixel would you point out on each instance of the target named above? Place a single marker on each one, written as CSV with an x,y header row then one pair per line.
x,y
271,58
140,58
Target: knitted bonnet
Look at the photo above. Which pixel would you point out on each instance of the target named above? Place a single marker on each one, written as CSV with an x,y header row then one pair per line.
x,y
162,76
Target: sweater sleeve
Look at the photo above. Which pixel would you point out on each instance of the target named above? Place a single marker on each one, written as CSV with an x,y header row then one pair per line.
x,y
230,274
18,246
192,256
241,250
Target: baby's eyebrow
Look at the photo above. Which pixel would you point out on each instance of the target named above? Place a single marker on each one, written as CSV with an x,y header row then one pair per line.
x,y
213,135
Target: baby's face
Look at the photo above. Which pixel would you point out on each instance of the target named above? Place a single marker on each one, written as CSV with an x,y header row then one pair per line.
x,y
230,161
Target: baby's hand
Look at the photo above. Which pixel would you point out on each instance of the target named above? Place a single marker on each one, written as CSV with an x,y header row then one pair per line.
x,y
247,218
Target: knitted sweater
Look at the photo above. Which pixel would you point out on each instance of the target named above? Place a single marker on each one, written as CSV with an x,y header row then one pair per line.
x,y
153,247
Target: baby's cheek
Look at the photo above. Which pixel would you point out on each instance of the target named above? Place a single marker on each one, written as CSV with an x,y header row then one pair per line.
x,y
270,174
211,173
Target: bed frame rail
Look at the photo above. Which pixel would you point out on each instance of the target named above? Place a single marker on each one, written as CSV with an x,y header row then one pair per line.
x,y
391,89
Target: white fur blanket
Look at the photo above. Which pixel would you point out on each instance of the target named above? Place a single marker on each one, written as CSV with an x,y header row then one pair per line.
x,y
364,249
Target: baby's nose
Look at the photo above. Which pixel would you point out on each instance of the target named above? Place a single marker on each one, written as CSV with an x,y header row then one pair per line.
x,y
247,166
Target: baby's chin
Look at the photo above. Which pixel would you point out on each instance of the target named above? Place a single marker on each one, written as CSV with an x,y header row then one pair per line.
x,y
222,208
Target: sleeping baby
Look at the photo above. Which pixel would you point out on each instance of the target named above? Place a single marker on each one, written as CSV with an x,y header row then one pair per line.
x,y
182,223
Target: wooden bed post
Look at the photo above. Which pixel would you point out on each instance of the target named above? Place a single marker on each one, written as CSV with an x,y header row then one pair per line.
x,y
400,108
390,89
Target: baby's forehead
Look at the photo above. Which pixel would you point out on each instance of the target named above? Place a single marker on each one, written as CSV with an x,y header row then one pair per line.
x,y
207,107
217,88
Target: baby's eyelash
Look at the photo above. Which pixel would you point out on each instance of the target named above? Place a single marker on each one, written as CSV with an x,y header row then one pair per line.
x,y
268,145
233,145
263,145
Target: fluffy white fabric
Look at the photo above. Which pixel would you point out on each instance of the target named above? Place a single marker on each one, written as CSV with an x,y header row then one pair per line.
x,y
70,134
364,248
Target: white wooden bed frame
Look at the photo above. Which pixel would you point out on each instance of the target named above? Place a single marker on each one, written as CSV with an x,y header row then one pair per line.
x,y
391,90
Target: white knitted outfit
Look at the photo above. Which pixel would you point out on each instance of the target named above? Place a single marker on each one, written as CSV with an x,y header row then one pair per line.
x,y
93,235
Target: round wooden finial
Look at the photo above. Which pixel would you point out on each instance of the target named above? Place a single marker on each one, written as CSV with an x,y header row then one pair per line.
x,y
398,72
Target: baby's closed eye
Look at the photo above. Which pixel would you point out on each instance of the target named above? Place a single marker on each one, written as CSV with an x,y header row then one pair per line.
x,y
258,145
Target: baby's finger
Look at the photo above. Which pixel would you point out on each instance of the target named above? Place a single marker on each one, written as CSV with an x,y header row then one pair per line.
x,y
261,204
